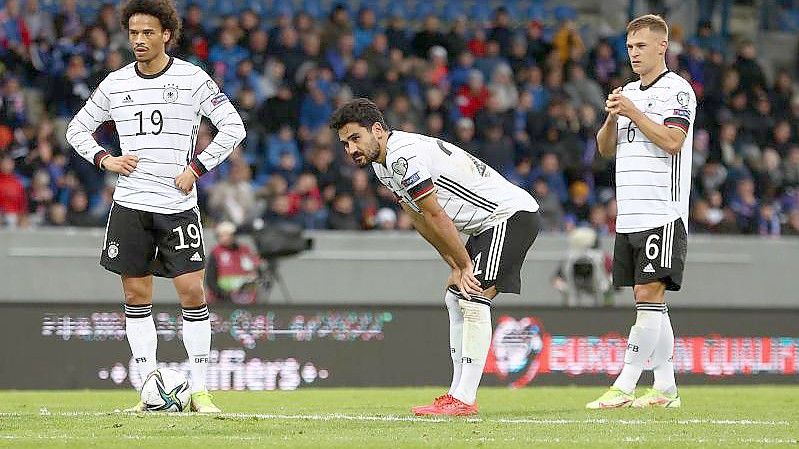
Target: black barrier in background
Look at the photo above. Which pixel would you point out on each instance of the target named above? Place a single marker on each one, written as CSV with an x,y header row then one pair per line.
x,y
277,347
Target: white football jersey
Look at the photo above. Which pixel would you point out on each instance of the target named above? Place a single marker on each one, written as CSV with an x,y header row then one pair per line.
x,y
157,118
471,193
653,186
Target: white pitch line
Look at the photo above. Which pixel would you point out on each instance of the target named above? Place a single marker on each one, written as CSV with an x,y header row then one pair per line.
x,y
720,422
395,418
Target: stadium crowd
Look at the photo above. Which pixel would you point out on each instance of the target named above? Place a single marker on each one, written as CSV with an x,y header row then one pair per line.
x,y
525,96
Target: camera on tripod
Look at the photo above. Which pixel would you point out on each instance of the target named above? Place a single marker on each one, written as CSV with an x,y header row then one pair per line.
x,y
273,242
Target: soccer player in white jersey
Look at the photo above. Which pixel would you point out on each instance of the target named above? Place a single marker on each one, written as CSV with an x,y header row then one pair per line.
x,y
446,190
154,226
649,128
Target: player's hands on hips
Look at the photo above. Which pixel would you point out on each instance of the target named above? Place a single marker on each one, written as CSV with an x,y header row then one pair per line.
x,y
124,165
185,181
619,104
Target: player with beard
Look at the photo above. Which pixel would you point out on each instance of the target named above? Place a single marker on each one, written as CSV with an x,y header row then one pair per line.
x,y
446,191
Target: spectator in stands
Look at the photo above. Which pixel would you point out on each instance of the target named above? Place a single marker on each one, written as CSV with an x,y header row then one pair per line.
x,y
781,94
342,215
566,40
226,56
386,219
232,269
472,97
13,201
500,31
551,208
280,110
69,92
582,90
537,47
549,170
496,149
465,135
233,199
752,77
365,30
13,107
503,88
314,112
78,213
428,37
193,42
792,227
40,196
790,168
578,208
56,215
314,214
745,206
39,24
337,25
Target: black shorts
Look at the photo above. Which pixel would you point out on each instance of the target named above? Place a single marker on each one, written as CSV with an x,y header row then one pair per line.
x,y
139,243
498,253
649,256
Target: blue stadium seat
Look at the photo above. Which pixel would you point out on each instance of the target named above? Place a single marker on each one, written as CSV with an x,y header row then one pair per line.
x,y
565,12
453,10
260,7
423,10
313,8
536,11
481,12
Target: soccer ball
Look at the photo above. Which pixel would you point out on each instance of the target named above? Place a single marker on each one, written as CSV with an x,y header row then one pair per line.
x,y
165,390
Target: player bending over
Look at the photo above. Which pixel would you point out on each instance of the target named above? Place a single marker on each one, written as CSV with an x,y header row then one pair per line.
x,y
446,190
154,225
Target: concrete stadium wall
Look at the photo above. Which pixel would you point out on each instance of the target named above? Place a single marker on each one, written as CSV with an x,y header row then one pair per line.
x,y
61,265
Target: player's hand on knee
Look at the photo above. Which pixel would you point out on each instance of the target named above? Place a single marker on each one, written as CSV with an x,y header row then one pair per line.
x,y
124,165
468,283
185,181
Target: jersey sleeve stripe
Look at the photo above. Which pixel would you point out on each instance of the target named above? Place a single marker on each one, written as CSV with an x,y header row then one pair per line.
x,y
421,189
677,122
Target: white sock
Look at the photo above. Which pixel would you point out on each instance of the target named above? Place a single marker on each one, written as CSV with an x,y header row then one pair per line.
x,y
640,345
455,336
197,340
662,358
476,341
142,338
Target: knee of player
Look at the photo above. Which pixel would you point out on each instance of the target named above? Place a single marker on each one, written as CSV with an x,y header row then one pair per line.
x,y
135,296
193,294
651,292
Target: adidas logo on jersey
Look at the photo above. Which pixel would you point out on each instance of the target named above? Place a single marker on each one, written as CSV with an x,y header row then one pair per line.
x,y
127,99
649,268
196,257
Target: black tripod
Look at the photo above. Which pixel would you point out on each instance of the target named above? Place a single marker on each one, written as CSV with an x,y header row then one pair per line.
x,y
269,276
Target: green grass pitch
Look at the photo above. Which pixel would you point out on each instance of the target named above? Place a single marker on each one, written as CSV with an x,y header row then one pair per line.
x,y
535,417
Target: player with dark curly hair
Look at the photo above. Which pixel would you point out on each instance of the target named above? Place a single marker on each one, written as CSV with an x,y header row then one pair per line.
x,y
154,226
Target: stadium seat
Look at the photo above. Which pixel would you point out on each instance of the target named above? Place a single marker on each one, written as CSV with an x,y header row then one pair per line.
x,y
481,12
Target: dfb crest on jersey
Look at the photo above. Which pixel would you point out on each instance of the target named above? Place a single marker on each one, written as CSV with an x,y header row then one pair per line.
x,y
112,250
170,93
515,348
683,98
400,167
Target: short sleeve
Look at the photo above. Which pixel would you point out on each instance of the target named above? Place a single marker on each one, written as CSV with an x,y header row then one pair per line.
x,y
680,108
411,172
